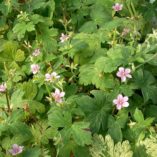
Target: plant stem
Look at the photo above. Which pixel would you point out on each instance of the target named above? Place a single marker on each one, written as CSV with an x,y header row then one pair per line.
x,y
8,103
130,11
146,61
48,90
133,8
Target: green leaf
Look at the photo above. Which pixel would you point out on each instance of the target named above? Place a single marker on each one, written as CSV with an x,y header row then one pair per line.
x,y
115,132
151,111
150,145
19,56
42,133
79,133
150,92
35,18
8,51
107,65
20,131
122,118
47,37
81,151
88,27
3,101
140,127
100,15
96,109
21,28
17,115
30,90
140,151
34,152
146,82
58,118
17,99
138,116
70,89
116,56
36,106
106,148
86,74
91,75
65,151
143,78
127,89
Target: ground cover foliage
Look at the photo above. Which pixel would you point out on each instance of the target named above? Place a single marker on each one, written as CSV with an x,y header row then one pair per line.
x,y
78,78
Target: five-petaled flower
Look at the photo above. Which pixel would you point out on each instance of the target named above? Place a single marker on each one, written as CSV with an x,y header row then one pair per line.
x,y
121,101
51,77
58,95
36,52
124,73
35,68
117,7
64,37
3,87
16,149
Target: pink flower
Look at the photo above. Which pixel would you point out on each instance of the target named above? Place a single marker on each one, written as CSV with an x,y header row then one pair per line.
x,y
125,31
124,73
36,52
16,150
57,95
117,7
35,68
121,102
3,87
51,77
64,37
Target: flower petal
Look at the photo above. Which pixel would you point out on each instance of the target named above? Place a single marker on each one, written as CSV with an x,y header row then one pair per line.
x,y
119,107
57,91
120,96
119,74
129,76
125,98
62,94
115,101
54,74
121,69
123,78
126,104
127,70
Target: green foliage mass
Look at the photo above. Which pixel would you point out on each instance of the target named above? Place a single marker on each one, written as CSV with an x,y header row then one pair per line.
x,y
61,78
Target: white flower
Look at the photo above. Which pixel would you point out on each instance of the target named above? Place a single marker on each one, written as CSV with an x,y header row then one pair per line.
x,y
16,150
58,95
117,7
36,52
3,87
35,68
64,37
51,77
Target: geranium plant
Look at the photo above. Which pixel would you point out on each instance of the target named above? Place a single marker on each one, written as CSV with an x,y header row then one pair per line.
x,y
78,78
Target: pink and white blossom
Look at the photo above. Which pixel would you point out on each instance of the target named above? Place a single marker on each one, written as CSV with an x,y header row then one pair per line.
x,y
51,77
35,68
3,87
64,37
125,31
121,101
58,96
124,73
117,7
16,150
36,52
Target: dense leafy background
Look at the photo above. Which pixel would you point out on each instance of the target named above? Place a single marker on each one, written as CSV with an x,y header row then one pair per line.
x,y
86,123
